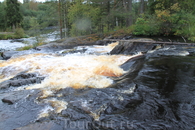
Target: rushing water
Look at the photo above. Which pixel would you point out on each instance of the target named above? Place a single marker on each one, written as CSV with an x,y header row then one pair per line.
x,y
8,45
92,90
18,43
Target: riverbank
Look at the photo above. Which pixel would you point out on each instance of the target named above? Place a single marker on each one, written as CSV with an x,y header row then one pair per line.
x,y
19,33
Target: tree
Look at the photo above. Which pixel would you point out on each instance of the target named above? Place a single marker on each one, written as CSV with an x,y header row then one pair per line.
x,y
129,9
2,17
14,17
82,18
141,6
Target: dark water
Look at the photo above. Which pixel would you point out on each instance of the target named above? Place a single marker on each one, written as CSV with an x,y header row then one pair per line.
x,y
167,85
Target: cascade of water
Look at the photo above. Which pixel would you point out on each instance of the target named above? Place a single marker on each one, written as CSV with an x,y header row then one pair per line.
x,y
72,70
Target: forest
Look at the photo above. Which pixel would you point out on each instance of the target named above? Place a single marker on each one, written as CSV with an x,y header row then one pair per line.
x,y
84,17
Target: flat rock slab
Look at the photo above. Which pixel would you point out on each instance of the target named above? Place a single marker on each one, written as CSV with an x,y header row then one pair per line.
x,y
22,112
15,96
50,125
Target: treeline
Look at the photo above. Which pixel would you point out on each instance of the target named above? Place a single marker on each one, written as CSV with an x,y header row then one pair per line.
x,y
83,17
31,16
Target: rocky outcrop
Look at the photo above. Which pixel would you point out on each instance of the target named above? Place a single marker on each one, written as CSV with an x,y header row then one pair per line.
x,y
129,47
21,79
68,43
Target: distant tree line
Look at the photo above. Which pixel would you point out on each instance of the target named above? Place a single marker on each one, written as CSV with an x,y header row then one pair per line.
x,y
83,17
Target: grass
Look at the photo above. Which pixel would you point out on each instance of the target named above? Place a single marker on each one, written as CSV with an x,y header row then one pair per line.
x,y
24,48
19,33
4,36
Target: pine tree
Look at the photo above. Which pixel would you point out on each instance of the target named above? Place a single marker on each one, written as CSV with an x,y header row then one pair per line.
x,y
14,17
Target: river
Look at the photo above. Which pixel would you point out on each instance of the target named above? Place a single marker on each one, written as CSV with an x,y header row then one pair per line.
x,y
89,88
18,43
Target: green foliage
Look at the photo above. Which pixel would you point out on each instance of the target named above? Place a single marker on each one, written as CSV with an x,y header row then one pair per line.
x,y
47,14
146,26
186,26
141,27
19,33
120,32
82,18
5,36
2,16
13,14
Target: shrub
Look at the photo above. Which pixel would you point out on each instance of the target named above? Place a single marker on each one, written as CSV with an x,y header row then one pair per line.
x,y
19,33
186,26
3,36
146,27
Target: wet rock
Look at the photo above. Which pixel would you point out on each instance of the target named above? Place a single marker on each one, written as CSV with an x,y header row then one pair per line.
x,y
50,125
68,43
24,110
128,37
4,85
14,97
130,48
8,54
17,40
75,115
24,76
21,79
100,42
21,82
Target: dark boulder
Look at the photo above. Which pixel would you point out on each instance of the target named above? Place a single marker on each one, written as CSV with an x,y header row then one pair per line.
x,y
21,79
8,54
